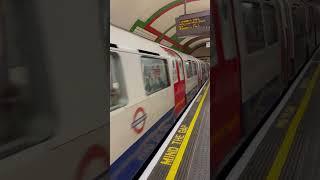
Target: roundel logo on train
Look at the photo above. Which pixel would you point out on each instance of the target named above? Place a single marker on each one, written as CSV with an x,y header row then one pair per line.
x,y
139,120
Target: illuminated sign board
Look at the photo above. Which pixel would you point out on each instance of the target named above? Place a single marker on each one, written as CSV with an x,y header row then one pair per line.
x,y
193,24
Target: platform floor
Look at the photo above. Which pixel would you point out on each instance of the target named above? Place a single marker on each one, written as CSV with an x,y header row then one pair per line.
x,y
290,148
186,153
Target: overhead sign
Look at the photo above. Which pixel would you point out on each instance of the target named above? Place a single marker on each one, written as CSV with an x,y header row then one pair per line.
x,y
193,24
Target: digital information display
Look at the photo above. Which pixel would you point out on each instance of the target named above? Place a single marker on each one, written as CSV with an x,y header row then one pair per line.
x,y
193,24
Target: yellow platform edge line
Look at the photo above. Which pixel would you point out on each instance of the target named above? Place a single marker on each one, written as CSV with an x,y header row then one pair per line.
x,y
176,163
283,152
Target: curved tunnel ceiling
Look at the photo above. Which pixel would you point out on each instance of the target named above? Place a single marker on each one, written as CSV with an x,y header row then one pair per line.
x,y
155,20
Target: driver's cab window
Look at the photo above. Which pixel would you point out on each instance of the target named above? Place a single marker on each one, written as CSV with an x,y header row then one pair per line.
x,y
26,116
117,90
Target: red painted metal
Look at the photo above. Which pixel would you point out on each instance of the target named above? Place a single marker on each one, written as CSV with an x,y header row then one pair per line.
x,y
225,98
179,86
95,152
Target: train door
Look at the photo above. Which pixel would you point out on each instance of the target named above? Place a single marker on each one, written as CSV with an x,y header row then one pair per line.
x,y
191,81
314,24
300,36
225,89
309,35
181,87
199,73
261,62
203,73
179,82
284,40
317,14
196,73
289,39
312,30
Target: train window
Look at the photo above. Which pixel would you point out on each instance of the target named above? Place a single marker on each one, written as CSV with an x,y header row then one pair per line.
x,y
299,22
181,71
195,69
188,69
192,68
310,21
117,91
203,71
227,30
252,20
174,71
270,23
186,66
155,74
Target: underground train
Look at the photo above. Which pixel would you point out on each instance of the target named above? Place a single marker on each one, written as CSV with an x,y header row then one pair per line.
x,y
260,47
150,86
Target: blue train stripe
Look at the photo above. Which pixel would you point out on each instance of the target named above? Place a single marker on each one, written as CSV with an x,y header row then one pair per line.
x,y
131,161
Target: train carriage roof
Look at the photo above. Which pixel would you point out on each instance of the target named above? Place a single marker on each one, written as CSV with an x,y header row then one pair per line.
x,y
126,40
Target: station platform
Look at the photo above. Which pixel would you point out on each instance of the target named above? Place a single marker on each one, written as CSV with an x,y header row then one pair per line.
x,y
288,145
185,153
